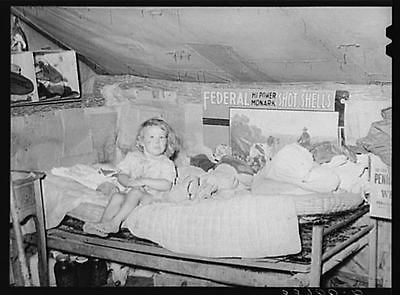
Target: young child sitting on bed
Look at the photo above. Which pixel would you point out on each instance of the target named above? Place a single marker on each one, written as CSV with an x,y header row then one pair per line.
x,y
146,174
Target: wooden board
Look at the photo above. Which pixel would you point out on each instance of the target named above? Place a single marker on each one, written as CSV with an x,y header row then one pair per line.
x,y
156,259
269,263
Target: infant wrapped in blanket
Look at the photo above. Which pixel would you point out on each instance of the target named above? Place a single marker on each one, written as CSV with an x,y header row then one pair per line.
x,y
195,184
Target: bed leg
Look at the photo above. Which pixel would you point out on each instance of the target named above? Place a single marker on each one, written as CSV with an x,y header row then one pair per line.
x,y
316,255
372,254
43,264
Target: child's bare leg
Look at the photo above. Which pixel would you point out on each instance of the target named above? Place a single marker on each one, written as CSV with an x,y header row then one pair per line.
x,y
102,228
113,206
132,199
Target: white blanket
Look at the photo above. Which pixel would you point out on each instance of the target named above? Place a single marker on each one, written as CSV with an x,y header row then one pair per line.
x,y
242,226
61,195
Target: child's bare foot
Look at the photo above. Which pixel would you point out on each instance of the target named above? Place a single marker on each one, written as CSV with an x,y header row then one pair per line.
x,y
91,228
107,227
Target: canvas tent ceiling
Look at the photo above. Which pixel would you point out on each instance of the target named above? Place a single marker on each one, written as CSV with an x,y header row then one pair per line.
x,y
225,44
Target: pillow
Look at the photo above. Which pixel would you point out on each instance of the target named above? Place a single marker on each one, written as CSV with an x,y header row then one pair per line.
x,y
321,179
353,176
291,164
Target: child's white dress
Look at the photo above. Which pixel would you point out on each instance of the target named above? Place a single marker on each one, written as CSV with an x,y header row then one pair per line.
x,y
136,164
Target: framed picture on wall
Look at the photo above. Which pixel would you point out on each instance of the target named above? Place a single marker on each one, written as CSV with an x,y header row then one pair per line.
x,y
55,77
23,87
257,135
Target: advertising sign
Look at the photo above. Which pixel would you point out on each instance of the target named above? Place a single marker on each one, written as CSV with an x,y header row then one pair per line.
x,y
220,105
380,188
216,103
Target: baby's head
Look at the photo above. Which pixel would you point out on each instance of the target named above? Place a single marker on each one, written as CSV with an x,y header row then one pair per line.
x,y
157,128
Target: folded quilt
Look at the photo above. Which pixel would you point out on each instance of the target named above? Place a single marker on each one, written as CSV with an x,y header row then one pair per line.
x,y
242,226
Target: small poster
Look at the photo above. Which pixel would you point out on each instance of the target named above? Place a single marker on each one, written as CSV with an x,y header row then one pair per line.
x,y
380,188
42,77
56,75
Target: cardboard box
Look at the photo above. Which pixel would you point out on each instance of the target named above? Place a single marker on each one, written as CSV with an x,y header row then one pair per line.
x,y
380,188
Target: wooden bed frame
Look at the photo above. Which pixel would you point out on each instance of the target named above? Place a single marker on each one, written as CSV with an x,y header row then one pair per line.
x,y
189,270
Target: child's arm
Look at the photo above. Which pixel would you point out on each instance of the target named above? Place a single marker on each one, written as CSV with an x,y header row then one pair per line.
x,y
154,183
123,179
159,184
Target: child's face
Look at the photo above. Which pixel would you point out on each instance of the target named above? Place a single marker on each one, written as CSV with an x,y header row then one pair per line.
x,y
154,140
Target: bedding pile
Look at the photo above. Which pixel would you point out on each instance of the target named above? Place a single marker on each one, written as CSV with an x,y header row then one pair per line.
x,y
333,186
294,165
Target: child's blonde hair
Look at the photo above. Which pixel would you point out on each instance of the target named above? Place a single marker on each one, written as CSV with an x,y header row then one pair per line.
x,y
173,142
